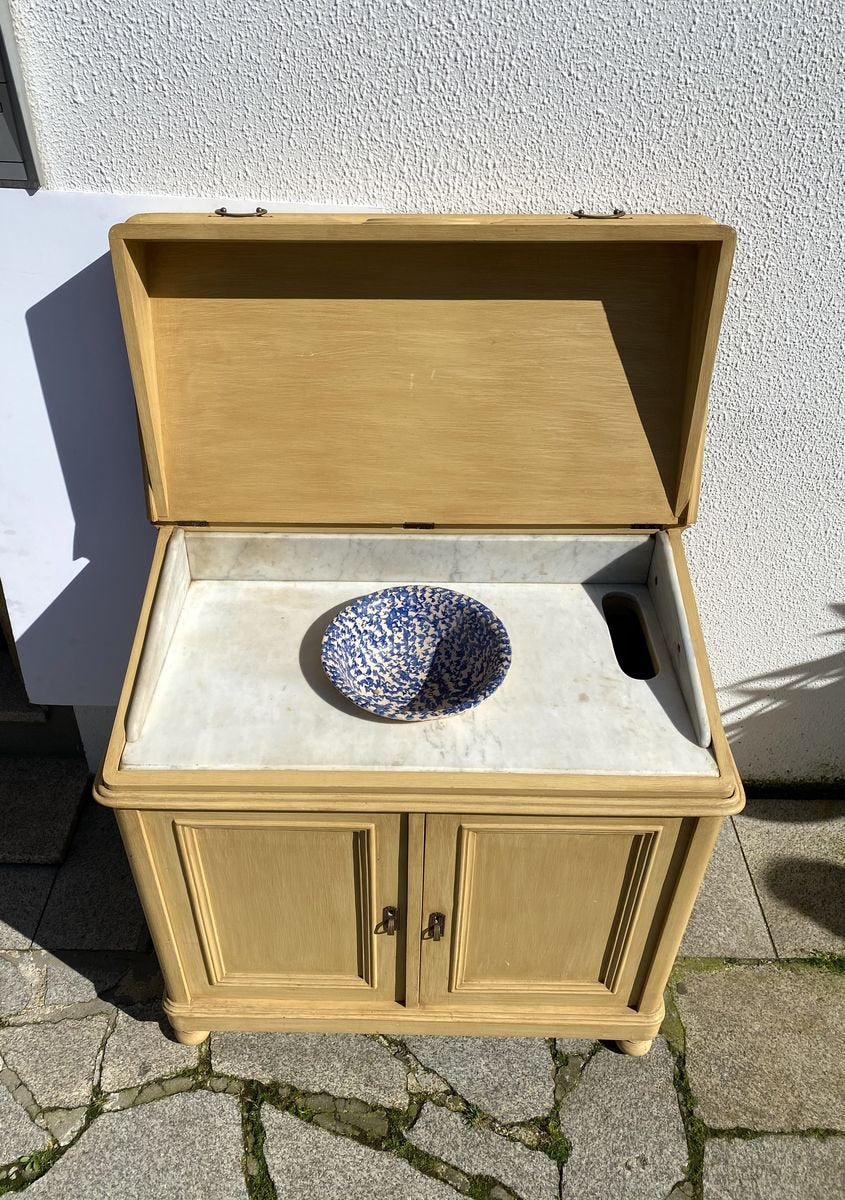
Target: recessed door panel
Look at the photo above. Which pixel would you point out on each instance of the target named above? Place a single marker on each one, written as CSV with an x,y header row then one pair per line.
x,y
289,905
540,912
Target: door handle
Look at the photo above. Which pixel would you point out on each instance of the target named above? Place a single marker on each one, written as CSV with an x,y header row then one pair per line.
x,y
436,926
389,922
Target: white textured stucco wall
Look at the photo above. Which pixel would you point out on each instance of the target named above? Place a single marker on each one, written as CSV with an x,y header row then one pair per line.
x,y
482,105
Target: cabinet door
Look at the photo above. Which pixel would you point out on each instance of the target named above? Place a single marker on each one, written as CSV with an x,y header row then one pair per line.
x,y
541,912
286,907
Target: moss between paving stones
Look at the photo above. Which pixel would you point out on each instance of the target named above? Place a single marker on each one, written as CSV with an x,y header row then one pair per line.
x,y
385,1129
259,1185
697,1132
824,960
827,961
695,1129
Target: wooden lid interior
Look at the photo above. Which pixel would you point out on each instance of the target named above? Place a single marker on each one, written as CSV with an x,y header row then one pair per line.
x,y
511,378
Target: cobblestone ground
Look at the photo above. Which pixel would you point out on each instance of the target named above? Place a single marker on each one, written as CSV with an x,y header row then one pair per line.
x,y
741,1098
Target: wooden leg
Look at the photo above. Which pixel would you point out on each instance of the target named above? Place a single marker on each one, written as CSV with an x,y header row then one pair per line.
x,y
190,1037
635,1049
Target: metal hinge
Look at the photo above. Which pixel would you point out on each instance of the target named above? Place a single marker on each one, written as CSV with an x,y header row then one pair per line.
x,y
194,524
417,524
224,212
585,216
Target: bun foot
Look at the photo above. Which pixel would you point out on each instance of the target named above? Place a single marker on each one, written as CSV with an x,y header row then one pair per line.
x,y
190,1037
636,1049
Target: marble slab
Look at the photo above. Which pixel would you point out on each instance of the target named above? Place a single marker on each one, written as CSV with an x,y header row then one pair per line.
x,y
422,558
171,591
242,685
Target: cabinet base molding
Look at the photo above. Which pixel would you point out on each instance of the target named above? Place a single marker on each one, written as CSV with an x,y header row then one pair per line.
x,y
192,1023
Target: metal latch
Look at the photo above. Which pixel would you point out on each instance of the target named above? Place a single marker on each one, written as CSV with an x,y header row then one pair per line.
x,y
224,212
436,926
389,922
617,212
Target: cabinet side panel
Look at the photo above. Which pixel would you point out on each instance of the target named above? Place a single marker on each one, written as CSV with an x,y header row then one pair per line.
x,y
151,879
686,871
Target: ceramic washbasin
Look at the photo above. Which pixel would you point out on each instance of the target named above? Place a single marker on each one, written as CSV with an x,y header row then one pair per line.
x,y
416,652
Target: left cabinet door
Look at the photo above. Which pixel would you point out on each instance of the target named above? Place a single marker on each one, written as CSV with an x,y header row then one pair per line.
x,y
282,907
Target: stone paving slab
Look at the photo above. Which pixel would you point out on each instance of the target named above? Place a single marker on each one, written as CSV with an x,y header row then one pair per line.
x,y
624,1126
79,976
139,1051
17,984
774,1168
19,1134
305,1162
764,1046
39,801
478,1151
727,920
94,904
187,1147
57,1060
796,852
342,1064
509,1078
23,895
762,1053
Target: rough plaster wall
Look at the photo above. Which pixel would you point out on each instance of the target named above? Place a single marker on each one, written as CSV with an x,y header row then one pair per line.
x,y
522,105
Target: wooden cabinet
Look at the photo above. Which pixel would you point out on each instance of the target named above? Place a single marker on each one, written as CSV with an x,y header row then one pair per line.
x,y
540,913
402,921
286,906
512,407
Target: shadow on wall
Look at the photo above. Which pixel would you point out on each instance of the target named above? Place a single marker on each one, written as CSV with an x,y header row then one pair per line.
x,y
80,644
796,707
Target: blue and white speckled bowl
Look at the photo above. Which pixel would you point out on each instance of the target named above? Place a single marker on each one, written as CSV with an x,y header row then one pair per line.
x,y
416,652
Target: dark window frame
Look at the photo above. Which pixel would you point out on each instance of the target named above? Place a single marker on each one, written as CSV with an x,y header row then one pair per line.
x,y
31,181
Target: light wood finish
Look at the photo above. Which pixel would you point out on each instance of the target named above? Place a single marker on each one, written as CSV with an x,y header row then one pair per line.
x,y
393,227
412,914
710,292
384,372
157,880
636,1049
541,913
129,260
690,859
493,1023
566,897
281,906
568,1023
192,1037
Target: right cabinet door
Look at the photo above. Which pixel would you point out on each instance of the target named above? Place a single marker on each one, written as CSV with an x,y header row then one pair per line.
x,y
543,912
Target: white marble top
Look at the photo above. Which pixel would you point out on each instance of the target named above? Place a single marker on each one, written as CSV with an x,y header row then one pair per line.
x,y
242,687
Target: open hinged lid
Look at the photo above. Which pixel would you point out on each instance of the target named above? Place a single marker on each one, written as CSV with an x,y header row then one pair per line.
x,y
460,371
